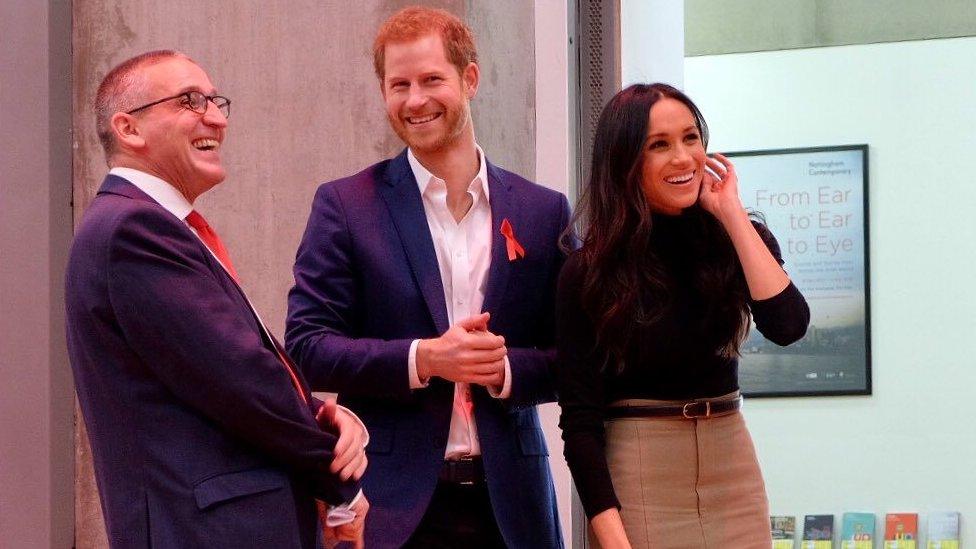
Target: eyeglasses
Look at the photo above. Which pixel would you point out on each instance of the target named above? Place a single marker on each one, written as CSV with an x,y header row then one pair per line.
x,y
194,101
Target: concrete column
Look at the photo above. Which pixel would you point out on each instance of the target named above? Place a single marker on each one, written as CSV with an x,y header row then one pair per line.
x,y
35,229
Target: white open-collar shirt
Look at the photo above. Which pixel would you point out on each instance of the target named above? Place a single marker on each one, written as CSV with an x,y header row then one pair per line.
x,y
463,252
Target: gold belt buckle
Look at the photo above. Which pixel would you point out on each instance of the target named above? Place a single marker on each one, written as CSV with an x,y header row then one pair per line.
x,y
688,415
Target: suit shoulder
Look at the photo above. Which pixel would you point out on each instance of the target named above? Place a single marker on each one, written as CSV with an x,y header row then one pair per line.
x,y
529,189
113,223
367,178
109,213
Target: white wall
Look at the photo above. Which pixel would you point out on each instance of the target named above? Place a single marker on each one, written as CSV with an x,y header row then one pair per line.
x,y
911,446
552,169
652,41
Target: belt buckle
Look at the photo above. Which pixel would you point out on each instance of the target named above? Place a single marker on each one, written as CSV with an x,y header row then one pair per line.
x,y
691,415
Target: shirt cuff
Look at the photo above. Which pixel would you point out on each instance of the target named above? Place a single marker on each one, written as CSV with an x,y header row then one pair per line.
x,y
337,515
362,426
506,390
415,382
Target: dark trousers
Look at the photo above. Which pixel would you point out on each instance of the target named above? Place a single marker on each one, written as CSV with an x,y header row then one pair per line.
x,y
459,517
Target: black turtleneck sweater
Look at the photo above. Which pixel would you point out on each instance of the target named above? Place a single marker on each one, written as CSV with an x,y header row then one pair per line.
x,y
671,359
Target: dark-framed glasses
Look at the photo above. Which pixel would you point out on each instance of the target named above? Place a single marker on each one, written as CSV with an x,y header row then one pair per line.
x,y
194,101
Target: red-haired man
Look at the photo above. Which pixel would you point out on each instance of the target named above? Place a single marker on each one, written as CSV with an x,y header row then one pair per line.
x,y
424,295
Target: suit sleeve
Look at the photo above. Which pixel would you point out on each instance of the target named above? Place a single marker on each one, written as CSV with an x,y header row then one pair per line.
x,y
185,327
533,373
322,307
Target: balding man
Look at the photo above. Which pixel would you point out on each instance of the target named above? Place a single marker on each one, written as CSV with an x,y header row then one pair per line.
x,y
203,432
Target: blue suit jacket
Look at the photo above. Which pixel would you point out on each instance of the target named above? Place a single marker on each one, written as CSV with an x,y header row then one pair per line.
x,y
367,283
199,438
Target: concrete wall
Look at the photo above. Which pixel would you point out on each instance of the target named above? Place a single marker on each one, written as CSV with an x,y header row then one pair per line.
x,y
306,109
35,229
909,447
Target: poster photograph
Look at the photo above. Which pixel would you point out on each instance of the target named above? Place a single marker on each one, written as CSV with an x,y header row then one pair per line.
x,y
814,201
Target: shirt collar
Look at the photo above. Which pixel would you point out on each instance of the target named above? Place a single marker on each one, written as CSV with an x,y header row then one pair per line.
x,y
424,177
159,190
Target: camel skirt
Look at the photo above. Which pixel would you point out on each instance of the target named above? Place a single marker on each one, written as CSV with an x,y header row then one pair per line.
x,y
687,483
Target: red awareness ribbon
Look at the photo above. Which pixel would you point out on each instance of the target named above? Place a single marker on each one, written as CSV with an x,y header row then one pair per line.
x,y
515,250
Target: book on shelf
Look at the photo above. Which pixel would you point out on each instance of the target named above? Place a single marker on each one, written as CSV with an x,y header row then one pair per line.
x,y
901,531
943,530
783,529
857,531
818,532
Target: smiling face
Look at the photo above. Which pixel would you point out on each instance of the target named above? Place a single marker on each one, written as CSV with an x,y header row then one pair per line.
x,y
674,158
427,100
173,142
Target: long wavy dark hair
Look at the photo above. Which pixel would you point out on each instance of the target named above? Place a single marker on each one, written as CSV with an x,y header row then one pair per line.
x,y
625,284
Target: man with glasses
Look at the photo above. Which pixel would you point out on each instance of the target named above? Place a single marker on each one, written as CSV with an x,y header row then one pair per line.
x,y
203,431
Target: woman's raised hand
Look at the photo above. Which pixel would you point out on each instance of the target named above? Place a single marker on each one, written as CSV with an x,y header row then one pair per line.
x,y
719,196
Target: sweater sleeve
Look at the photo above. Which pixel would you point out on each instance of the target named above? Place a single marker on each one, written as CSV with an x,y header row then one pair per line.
x,y
581,395
783,318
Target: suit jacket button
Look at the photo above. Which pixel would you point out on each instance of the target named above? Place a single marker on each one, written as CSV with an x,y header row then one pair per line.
x,y
439,442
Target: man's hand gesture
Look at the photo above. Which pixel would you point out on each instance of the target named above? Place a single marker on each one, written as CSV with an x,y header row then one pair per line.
x,y
349,459
466,353
351,531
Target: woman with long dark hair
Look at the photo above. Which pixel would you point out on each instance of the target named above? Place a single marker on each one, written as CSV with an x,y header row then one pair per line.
x,y
651,311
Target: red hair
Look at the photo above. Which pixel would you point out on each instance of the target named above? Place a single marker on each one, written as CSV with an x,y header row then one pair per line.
x,y
416,22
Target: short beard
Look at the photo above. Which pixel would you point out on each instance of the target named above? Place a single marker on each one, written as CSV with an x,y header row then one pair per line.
x,y
444,141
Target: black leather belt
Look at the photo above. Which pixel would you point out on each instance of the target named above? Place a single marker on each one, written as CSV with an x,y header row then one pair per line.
x,y
470,470
696,409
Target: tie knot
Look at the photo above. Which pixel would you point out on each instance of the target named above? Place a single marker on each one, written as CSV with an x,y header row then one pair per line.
x,y
197,221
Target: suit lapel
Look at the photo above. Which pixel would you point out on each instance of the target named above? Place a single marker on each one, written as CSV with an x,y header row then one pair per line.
x,y
122,187
503,206
402,195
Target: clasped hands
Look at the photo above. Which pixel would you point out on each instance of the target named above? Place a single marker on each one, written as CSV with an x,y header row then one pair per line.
x,y
465,353
348,463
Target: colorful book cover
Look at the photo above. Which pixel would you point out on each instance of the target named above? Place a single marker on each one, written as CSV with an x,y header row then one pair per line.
x,y
943,531
783,529
901,531
857,531
818,532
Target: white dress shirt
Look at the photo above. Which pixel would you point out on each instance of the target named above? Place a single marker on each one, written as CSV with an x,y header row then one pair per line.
x,y
463,252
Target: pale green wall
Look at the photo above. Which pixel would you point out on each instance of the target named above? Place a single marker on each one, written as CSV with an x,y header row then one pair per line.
x,y
729,26
910,446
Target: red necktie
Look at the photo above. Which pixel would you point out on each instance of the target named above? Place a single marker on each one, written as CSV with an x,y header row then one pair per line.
x,y
210,238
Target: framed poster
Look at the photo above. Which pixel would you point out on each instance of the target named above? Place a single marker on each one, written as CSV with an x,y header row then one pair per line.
x,y
814,201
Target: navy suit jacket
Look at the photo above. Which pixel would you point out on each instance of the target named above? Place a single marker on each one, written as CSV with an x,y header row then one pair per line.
x,y
367,284
198,436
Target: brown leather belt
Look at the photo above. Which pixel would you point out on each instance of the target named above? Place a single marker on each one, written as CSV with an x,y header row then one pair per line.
x,y
468,471
696,409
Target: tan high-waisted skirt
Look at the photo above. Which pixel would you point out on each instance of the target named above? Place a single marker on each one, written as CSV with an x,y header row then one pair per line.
x,y
687,483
